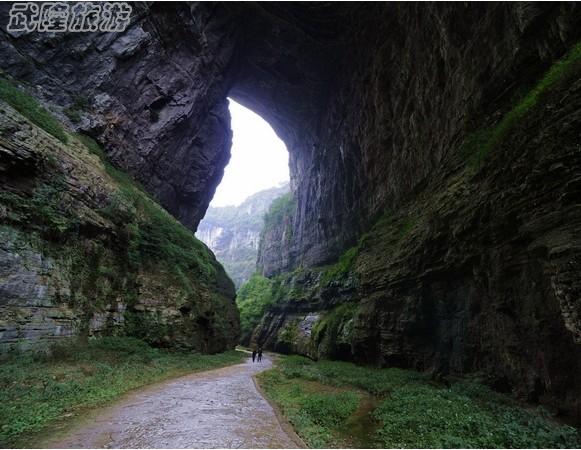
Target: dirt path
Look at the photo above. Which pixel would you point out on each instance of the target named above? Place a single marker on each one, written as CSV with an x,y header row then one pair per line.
x,y
216,409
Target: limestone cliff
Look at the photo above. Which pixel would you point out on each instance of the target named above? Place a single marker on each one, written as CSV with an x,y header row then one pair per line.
x,y
233,232
469,259
85,252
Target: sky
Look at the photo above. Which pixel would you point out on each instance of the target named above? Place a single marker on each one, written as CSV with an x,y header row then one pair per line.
x,y
259,158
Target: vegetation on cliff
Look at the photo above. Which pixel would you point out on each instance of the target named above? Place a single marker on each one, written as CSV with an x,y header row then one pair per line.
x,y
117,261
31,109
280,211
38,389
480,143
338,404
233,232
253,298
152,230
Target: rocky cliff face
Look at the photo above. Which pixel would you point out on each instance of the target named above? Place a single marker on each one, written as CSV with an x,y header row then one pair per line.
x,y
233,232
469,191
418,135
84,252
154,95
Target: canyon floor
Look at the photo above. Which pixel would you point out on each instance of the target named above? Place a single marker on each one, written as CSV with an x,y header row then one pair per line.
x,y
219,408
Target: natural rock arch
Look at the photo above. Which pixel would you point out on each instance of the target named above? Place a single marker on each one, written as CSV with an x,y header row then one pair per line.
x,y
373,102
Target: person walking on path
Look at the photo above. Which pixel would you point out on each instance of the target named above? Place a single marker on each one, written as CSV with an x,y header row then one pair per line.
x,y
254,355
259,354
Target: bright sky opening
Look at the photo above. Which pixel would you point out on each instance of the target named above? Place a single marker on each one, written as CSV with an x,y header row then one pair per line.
x,y
259,158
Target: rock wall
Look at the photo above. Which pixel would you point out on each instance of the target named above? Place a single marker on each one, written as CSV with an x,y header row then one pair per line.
x,y
477,274
467,264
154,95
233,232
76,255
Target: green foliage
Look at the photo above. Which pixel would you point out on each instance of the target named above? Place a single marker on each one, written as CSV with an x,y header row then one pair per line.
x,y
92,146
155,235
413,412
343,265
253,298
426,417
148,326
330,410
164,238
280,209
289,333
37,389
336,326
398,226
30,108
45,211
479,144
74,115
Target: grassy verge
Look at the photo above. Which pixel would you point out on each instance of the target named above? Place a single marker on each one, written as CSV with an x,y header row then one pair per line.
x,y
334,404
39,389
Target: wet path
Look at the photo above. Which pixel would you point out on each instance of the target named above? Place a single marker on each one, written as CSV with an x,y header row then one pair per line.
x,y
218,408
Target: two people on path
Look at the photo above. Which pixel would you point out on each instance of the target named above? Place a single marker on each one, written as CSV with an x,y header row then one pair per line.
x,y
257,354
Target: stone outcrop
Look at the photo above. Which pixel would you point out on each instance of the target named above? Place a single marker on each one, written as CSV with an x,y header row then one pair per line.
x,y
154,96
233,232
75,259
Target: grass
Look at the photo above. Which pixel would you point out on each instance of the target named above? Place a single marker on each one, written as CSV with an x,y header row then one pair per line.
x,y
409,411
38,389
480,143
31,109
316,416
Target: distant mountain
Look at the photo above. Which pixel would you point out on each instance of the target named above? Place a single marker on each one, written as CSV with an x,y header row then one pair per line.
x,y
233,232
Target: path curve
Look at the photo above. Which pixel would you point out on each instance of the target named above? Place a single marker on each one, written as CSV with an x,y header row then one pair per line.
x,y
215,409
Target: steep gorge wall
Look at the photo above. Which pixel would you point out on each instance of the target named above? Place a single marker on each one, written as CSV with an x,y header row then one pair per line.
x,y
84,252
412,81
462,261
233,232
